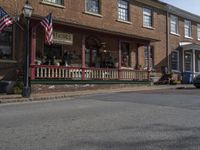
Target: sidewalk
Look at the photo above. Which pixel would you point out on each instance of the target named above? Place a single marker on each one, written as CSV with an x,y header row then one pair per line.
x,y
52,95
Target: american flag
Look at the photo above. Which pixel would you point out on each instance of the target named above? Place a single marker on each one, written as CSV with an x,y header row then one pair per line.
x,y
5,20
47,24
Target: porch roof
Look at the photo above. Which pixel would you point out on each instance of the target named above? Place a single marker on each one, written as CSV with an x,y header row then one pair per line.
x,y
191,46
106,31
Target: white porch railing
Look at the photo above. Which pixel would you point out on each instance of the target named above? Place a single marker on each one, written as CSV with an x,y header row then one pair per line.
x,y
61,72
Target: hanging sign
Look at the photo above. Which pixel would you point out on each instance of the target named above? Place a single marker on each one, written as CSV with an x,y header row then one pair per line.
x,y
63,38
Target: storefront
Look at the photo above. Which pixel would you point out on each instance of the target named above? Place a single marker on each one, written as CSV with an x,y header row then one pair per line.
x,y
80,54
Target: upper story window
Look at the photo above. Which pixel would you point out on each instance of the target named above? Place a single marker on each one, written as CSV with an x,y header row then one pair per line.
x,y
188,28
58,2
6,40
174,24
175,60
123,10
147,17
93,6
198,31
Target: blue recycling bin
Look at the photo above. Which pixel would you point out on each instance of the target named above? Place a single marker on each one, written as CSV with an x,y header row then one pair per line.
x,y
187,77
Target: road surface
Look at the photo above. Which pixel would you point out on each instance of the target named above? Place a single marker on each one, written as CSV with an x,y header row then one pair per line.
x,y
146,120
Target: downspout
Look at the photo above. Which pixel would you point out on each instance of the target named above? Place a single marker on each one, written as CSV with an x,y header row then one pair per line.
x,y
167,41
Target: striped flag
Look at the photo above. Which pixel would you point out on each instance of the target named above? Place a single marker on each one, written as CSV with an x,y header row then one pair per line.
x,y
47,24
5,20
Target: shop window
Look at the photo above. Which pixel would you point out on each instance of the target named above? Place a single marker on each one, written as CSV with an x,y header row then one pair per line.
x,y
125,54
93,6
52,55
6,40
151,57
175,60
147,17
93,45
123,10
58,2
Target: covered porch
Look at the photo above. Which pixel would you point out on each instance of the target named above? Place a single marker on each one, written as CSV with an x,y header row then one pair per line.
x,y
190,62
80,54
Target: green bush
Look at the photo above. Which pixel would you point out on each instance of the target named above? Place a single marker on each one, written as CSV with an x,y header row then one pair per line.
x,y
18,87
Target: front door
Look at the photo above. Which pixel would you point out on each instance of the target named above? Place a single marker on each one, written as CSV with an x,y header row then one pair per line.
x,y
188,61
197,61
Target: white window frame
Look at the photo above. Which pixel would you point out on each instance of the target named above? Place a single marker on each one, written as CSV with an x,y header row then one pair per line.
x,y
198,31
54,2
188,28
147,14
95,10
178,59
174,25
123,10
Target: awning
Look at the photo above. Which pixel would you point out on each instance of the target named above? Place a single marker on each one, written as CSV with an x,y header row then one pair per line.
x,y
191,46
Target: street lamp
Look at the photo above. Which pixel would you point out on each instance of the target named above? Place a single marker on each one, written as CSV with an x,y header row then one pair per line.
x,y
27,11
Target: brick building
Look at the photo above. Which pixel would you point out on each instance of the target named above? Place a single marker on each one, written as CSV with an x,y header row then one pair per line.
x,y
183,42
126,40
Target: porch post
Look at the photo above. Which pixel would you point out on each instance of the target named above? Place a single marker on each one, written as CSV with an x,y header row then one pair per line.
x,y
83,57
137,57
193,62
183,61
33,52
120,60
148,65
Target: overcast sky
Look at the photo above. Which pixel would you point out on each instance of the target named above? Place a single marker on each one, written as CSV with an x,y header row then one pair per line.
x,y
192,6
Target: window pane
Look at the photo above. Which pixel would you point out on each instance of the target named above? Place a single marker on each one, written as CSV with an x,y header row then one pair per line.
x,y
174,60
123,11
151,57
174,24
198,31
6,43
188,28
93,6
147,17
60,2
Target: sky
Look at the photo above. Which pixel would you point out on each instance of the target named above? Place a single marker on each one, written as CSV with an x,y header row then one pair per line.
x,y
192,6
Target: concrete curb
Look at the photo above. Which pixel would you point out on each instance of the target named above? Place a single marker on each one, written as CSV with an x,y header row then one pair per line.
x,y
63,95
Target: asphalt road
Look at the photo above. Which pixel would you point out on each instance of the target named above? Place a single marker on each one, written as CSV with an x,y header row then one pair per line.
x,y
146,120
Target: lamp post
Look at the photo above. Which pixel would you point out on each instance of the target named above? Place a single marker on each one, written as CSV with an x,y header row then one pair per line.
x,y
27,11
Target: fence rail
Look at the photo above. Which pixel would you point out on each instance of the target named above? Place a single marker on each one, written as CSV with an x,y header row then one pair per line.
x,y
78,73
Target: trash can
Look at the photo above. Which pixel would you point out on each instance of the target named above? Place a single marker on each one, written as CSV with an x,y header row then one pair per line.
x,y
187,77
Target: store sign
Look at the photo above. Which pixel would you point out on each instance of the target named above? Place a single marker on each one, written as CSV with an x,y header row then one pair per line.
x,y
63,38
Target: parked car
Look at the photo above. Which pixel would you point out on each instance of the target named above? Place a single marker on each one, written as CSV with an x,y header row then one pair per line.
x,y
196,81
